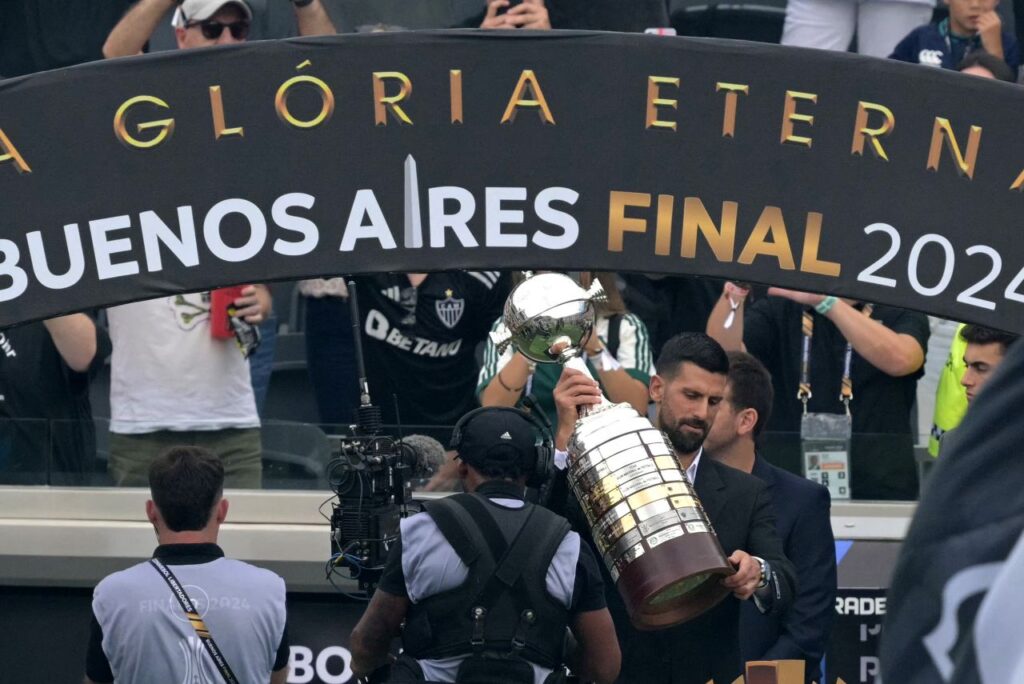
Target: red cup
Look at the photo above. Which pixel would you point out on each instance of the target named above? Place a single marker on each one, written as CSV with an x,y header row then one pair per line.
x,y
221,300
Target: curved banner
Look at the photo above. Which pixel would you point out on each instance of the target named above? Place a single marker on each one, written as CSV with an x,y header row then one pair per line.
x,y
826,172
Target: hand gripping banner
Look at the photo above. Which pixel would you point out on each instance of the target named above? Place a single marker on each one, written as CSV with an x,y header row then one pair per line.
x,y
833,173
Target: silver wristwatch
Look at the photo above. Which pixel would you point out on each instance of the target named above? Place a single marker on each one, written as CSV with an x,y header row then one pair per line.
x,y
765,571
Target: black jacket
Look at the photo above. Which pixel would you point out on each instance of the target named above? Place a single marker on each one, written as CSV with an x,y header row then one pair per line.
x,y
740,509
805,528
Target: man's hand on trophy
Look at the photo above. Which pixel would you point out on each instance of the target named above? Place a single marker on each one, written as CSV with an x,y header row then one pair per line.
x,y
574,389
747,576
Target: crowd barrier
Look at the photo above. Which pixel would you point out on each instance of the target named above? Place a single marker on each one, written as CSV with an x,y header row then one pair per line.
x,y
56,543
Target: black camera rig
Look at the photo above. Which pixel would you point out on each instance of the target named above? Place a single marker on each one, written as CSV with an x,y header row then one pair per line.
x,y
369,474
370,477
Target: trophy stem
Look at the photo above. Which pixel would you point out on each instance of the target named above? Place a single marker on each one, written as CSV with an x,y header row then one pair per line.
x,y
571,359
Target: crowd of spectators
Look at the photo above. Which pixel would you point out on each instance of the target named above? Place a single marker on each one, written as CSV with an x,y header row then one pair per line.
x,y
428,353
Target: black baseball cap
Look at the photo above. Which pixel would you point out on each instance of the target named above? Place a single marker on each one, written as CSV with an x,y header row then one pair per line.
x,y
498,437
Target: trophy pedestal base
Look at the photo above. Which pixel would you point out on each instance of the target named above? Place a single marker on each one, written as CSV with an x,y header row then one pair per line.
x,y
674,582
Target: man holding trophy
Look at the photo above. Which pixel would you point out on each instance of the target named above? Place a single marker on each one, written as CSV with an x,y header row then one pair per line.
x,y
660,517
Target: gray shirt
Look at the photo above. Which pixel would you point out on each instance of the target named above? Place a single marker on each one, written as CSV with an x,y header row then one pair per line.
x,y
141,634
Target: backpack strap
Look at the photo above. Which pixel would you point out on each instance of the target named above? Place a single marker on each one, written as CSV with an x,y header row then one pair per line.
x,y
458,528
537,532
477,509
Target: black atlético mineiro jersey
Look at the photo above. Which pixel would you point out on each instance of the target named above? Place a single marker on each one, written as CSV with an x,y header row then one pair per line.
x,y
420,342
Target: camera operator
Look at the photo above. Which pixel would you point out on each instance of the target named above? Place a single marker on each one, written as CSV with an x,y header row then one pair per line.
x,y
486,582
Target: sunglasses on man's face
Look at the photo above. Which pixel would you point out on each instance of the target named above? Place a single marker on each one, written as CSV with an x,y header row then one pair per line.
x,y
212,29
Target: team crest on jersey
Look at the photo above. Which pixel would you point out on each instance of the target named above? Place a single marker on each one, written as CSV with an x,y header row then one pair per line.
x,y
449,309
190,309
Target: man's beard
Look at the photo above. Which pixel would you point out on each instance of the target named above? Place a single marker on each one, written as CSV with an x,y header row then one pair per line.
x,y
684,442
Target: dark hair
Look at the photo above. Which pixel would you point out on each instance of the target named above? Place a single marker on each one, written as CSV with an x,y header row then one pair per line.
x,y
978,334
495,469
691,347
750,386
986,60
186,482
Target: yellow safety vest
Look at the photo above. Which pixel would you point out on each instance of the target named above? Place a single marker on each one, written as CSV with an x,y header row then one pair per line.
x,y
951,397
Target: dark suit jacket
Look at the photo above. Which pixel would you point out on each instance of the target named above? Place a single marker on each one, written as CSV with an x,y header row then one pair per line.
x,y
803,523
740,509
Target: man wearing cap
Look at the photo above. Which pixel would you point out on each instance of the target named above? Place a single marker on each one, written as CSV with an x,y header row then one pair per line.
x,y
486,582
203,23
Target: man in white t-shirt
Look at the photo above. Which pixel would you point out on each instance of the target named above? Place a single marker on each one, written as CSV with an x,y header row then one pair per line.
x,y
174,383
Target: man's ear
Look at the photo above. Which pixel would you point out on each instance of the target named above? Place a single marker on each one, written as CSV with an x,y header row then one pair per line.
x,y
151,512
657,388
179,35
221,510
746,421
463,470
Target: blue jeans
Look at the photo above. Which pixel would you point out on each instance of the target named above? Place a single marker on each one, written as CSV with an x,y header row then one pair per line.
x,y
261,363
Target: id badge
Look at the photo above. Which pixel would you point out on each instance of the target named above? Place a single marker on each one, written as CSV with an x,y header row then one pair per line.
x,y
825,444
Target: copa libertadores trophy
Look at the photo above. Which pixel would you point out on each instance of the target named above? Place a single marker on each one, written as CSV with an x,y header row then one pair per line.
x,y
652,532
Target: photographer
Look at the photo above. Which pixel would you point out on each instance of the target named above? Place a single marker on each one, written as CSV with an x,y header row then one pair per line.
x,y
487,583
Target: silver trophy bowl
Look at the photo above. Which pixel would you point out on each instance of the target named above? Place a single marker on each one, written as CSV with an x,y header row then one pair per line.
x,y
549,318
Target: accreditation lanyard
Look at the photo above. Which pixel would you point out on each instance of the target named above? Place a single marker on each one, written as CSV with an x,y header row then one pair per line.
x,y
803,393
202,631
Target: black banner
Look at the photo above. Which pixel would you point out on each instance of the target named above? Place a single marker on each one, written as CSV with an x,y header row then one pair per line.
x,y
827,172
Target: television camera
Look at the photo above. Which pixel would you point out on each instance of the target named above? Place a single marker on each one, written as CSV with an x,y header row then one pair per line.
x,y
370,474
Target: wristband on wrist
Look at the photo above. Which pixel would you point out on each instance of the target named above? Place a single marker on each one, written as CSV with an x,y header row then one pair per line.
x,y
302,3
825,305
501,381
